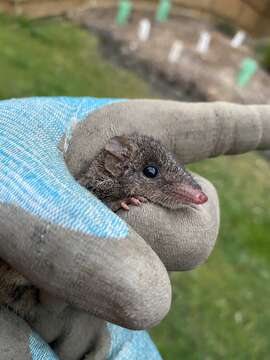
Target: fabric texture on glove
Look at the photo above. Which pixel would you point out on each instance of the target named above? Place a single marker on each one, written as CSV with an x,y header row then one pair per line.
x,y
72,333
78,249
131,345
19,342
28,145
35,183
39,350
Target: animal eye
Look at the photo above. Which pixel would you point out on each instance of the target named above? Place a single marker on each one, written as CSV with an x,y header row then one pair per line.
x,y
150,171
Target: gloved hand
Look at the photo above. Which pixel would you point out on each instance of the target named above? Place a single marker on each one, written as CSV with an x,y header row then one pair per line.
x,y
19,342
182,239
66,242
73,335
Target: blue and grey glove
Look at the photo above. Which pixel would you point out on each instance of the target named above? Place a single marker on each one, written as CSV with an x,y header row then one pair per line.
x,y
67,242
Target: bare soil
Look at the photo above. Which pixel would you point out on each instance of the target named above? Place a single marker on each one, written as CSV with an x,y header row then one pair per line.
x,y
194,77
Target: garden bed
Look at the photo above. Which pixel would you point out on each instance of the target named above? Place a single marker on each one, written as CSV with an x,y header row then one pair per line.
x,y
194,77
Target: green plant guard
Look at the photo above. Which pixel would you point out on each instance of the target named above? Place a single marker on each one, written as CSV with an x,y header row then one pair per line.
x,y
248,68
124,10
163,10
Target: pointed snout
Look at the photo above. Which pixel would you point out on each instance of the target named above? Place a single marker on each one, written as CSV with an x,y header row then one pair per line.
x,y
200,198
189,194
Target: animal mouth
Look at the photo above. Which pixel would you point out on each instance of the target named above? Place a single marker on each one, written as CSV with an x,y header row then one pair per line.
x,y
189,195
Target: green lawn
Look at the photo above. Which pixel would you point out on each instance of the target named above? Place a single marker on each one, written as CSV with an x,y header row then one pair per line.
x,y
55,58
220,310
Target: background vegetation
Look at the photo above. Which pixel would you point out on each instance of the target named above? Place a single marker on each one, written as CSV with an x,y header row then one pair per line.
x,y
263,53
220,310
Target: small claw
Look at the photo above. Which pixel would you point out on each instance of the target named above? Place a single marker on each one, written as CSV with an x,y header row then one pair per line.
x,y
142,199
124,205
135,201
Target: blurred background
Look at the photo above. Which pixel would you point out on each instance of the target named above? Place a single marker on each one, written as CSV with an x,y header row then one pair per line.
x,y
191,50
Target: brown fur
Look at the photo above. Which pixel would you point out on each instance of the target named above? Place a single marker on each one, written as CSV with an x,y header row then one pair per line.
x,y
116,173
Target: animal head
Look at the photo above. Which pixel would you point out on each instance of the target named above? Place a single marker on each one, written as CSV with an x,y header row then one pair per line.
x,y
144,167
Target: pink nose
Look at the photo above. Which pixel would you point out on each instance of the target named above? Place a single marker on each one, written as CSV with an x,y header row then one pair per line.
x,y
200,198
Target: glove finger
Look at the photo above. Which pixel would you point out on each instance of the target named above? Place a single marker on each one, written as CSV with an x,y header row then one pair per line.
x,y
193,131
70,332
119,279
183,239
18,342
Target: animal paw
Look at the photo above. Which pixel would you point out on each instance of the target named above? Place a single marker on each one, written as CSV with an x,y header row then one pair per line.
x,y
134,200
123,203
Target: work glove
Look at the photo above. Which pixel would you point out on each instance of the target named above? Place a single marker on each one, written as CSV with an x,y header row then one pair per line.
x,y
19,342
69,333
192,131
68,243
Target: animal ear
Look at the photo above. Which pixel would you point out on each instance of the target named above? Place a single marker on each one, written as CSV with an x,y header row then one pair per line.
x,y
113,165
118,151
118,146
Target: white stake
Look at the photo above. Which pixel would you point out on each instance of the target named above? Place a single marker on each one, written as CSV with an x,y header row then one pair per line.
x,y
204,42
144,30
175,51
238,39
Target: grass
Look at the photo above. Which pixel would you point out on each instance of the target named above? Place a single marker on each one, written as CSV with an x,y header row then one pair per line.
x,y
54,58
220,310
263,53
